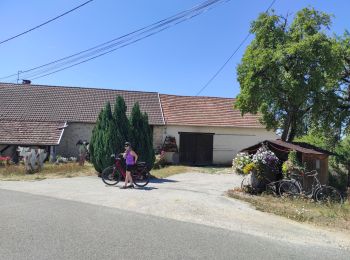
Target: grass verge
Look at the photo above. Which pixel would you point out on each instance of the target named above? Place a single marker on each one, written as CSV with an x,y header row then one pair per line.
x,y
49,171
302,210
177,169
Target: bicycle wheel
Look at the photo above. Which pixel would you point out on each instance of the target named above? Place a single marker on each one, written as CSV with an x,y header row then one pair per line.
x,y
288,188
111,175
328,194
271,188
141,178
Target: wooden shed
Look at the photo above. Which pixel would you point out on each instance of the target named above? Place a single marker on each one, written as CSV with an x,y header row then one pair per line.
x,y
313,157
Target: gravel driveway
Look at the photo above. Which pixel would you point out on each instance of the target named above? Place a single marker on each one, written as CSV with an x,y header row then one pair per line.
x,y
190,197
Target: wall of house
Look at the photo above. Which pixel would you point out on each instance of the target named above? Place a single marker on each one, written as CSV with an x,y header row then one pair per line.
x,y
72,133
76,131
158,137
228,141
10,151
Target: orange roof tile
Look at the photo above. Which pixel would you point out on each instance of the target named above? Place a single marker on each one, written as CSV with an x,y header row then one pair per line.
x,y
205,111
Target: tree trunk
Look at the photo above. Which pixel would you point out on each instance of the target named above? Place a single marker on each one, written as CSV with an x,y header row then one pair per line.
x,y
293,130
348,174
286,129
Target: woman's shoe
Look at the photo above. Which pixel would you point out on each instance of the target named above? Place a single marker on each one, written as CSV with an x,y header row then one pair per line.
x,y
124,187
131,186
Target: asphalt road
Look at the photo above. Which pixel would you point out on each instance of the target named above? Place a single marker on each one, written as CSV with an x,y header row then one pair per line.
x,y
39,227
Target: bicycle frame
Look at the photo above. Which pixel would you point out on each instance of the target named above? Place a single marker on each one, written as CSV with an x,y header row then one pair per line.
x,y
119,166
315,183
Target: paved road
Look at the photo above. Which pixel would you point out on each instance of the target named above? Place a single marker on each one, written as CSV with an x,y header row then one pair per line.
x,y
40,227
191,197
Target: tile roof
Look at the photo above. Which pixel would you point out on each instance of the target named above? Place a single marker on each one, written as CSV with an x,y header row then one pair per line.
x,y
30,133
25,102
205,111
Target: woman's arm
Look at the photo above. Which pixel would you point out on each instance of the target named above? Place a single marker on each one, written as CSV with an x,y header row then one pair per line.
x,y
135,155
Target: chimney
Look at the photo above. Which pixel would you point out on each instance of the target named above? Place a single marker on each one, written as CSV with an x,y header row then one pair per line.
x,y
26,81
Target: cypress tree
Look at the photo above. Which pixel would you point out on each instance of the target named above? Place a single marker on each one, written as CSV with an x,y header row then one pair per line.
x,y
141,136
121,124
102,140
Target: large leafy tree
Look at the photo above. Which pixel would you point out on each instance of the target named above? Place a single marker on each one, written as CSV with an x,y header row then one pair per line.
x,y
291,73
141,136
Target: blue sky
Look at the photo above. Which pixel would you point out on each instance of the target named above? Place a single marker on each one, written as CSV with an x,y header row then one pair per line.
x,y
179,60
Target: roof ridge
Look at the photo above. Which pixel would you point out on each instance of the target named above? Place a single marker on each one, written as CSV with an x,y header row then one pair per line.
x,y
74,87
173,95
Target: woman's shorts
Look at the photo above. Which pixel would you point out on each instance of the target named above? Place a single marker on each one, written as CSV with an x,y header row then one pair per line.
x,y
129,168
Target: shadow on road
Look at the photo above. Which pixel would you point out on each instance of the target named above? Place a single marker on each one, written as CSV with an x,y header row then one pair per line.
x,y
156,180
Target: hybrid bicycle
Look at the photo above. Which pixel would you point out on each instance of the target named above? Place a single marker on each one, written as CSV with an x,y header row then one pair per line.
x,y
113,174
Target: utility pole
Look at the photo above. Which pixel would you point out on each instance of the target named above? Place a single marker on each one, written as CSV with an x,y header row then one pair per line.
x,y
18,72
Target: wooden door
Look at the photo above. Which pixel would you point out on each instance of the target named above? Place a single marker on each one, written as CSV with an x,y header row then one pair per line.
x,y
196,148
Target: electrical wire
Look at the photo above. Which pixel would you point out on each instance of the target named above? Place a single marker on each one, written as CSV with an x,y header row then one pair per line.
x,y
231,56
117,43
49,21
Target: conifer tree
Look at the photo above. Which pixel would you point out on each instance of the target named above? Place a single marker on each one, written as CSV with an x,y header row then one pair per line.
x,y
141,136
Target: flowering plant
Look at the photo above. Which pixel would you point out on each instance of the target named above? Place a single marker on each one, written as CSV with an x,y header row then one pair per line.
x,y
266,159
292,164
250,167
240,161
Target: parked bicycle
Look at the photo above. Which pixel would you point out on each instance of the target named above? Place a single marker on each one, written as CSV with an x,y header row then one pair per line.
x,y
318,192
113,174
282,187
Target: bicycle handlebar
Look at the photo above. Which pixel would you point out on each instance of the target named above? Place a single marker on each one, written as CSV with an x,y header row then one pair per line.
x,y
312,173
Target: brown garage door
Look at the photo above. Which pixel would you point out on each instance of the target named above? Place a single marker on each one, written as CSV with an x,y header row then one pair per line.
x,y
196,148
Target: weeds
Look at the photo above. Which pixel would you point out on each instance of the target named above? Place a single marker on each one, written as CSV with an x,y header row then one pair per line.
x,y
300,209
67,170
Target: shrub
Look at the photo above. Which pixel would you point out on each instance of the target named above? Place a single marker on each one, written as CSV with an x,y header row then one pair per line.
x,y
240,161
249,168
292,164
266,160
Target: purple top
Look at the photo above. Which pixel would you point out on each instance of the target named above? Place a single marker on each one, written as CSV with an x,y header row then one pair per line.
x,y
130,160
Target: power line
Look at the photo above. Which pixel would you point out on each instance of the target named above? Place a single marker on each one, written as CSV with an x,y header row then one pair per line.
x,y
107,52
117,43
127,37
49,21
227,61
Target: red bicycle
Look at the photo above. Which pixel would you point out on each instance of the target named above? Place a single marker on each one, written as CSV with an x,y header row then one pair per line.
x,y
113,174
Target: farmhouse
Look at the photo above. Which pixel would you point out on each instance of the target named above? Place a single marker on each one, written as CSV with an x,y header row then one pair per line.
x,y
205,130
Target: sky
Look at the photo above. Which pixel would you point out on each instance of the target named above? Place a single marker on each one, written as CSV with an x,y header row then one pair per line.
x,y
179,60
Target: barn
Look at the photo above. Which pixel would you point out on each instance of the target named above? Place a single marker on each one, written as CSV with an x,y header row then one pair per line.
x,y
205,130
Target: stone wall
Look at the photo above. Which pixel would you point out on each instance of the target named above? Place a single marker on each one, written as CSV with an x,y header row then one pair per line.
x,y
158,137
72,133
76,131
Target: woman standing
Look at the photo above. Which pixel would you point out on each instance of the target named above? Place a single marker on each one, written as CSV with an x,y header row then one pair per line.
x,y
130,159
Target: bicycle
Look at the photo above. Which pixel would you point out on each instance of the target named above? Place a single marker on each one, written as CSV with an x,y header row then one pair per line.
x,y
282,187
319,193
114,173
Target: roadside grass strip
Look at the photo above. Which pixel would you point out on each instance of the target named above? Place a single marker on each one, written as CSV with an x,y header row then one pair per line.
x,y
335,216
49,171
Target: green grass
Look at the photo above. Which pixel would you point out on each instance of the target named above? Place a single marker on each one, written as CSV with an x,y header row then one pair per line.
x,y
69,170
49,171
301,209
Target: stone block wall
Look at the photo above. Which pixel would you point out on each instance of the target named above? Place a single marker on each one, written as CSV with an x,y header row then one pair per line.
x,y
72,133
